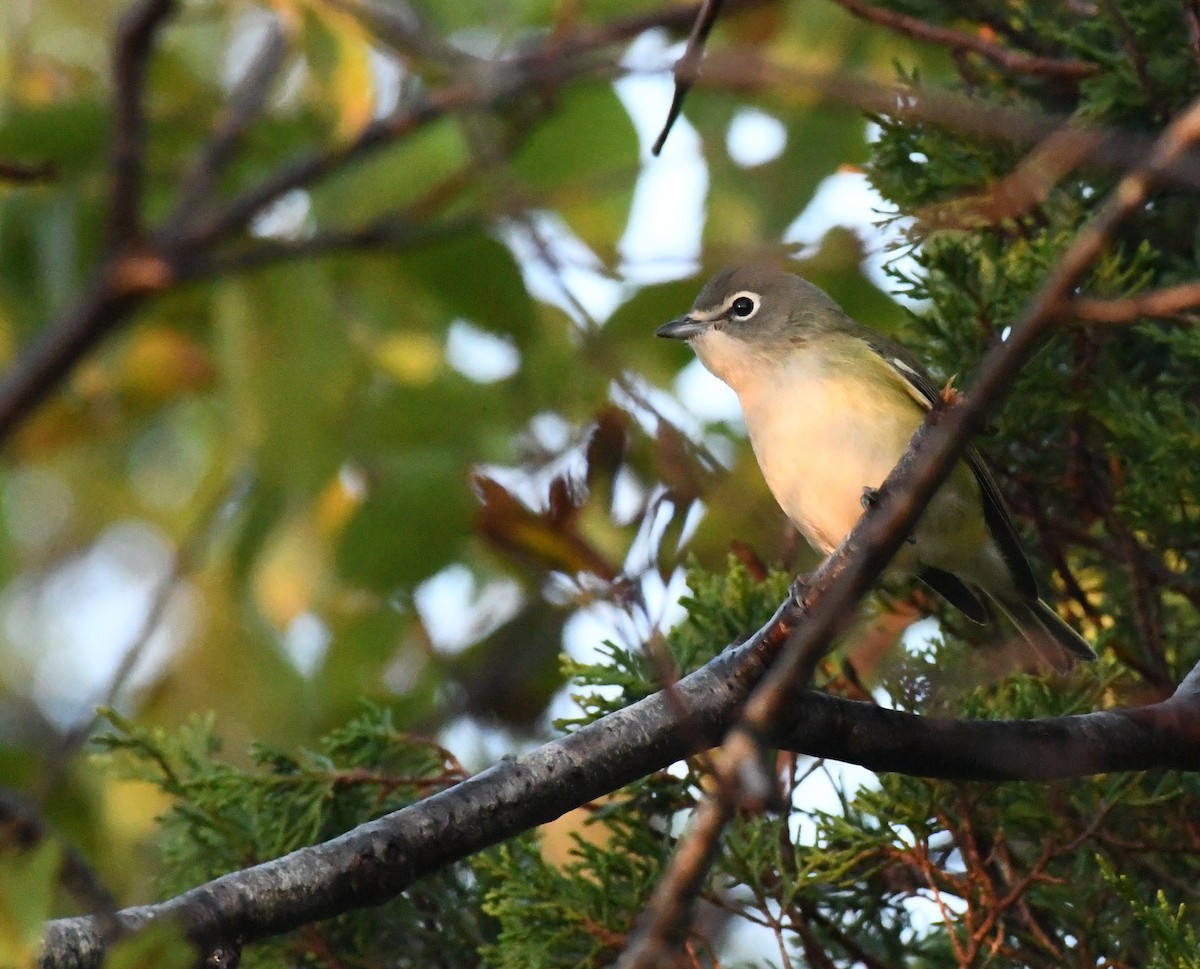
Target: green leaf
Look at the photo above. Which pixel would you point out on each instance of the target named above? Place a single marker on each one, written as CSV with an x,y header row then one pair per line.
x,y
417,515
393,178
581,161
475,277
28,888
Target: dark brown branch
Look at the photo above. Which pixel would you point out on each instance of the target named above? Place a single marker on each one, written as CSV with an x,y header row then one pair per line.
x,y
1052,748
118,288
135,38
378,860
1010,60
687,69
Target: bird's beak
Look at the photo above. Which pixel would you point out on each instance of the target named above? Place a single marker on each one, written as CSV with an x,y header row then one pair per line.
x,y
683,328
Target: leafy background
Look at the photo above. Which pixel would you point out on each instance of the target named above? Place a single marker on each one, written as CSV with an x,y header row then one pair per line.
x,y
414,472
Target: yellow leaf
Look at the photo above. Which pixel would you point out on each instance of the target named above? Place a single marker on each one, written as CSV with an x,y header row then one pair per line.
x,y
409,358
292,572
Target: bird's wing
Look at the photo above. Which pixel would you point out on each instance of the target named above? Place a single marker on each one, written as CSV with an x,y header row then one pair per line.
x,y
956,592
995,513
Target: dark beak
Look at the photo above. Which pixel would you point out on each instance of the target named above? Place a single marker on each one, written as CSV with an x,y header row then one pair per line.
x,y
683,328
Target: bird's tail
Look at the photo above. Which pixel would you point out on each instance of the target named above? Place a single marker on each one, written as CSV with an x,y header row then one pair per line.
x,y
1037,621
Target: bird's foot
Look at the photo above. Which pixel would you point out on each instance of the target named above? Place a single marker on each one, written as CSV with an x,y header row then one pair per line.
x,y
870,498
799,587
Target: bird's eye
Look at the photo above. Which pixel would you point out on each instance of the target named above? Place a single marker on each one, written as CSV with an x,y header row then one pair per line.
x,y
743,307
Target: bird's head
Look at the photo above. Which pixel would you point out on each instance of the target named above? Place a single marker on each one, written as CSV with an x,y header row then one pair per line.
x,y
749,315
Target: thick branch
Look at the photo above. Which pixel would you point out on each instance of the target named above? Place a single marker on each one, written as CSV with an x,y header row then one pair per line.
x,y
378,860
1165,735
42,366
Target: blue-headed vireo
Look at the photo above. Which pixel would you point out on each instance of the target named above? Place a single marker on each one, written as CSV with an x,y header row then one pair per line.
x,y
831,406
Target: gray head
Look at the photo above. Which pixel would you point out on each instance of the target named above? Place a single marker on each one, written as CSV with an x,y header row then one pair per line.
x,y
751,313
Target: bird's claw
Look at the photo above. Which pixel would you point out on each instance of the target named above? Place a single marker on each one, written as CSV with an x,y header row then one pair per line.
x,y
799,587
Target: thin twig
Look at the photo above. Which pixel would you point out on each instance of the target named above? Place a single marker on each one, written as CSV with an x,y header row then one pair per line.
x,y
135,38
244,105
1028,184
186,559
1114,150
1168,303
961,40
400,28
687,69
668,915
392,232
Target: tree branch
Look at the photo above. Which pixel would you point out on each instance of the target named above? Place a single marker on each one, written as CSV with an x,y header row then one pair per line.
x,y
1168,303
391,232
1165,734
1107,148
245,103
129,276
135,38
961,40
378,860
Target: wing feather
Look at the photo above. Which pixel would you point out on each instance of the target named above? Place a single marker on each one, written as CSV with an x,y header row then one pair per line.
x,y
999,521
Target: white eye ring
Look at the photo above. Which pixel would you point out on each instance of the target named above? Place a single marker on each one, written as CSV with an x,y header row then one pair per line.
x,y
743,305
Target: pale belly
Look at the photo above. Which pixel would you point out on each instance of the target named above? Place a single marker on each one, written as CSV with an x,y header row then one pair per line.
x,y
822,440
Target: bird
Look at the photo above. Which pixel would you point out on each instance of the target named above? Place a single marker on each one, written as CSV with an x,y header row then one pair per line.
x,y
830,406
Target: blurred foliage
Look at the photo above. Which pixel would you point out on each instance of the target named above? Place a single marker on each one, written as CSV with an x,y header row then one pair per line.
x,y
411,473
225,817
